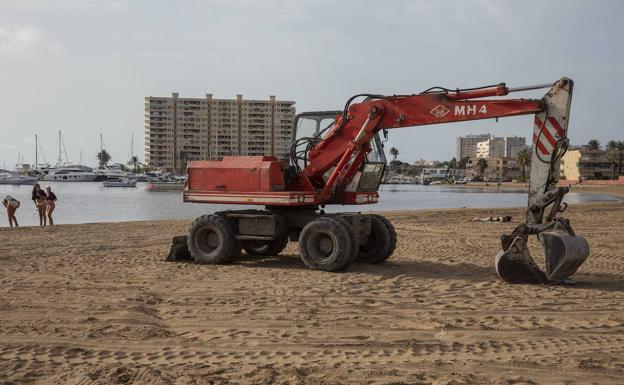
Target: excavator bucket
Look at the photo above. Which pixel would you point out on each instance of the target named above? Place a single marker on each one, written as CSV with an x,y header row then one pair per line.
x,y
563,253
515,264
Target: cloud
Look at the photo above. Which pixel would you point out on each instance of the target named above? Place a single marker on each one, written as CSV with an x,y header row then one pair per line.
x,y
25,40
49,5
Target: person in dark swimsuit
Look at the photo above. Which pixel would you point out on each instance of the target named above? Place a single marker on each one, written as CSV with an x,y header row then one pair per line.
x,y
40,199
50,204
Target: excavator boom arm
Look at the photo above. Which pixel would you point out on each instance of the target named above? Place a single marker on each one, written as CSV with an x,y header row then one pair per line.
x,y
335,160
360,122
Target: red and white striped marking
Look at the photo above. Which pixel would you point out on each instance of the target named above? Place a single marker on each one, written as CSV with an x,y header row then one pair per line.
x,y
551,134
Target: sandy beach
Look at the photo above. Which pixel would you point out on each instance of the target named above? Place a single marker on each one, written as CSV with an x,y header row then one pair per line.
x,y
98,304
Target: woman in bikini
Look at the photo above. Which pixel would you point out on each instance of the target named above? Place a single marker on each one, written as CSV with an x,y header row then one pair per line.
x,y
11,205
40,199
51,203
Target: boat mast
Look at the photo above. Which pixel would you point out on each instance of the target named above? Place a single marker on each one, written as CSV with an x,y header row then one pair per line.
x,y
36,152
60,157
101,155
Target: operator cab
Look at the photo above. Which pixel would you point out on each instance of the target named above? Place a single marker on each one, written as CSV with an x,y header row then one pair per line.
x,y
309,129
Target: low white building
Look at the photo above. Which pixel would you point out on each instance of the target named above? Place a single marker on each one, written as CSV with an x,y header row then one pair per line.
x,y
432,173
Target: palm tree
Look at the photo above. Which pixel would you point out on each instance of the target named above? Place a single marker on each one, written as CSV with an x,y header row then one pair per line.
x,y
617,146
462,163
523,157
481,166
103,158
613,157
134,162
394,152
594,145
451,165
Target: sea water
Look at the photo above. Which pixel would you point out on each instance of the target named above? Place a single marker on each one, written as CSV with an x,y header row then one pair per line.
x,y
89,202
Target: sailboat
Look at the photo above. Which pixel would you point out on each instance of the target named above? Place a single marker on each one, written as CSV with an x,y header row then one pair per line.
x,y
64,171
18,176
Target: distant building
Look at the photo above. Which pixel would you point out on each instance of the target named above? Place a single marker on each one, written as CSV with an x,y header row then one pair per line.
x,y
486,146
433,173
497,168
585,164
513,144
466,146
491,148
425,163
181,129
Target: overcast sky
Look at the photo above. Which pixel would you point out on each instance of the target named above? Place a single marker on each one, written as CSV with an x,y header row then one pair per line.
x,y
84,66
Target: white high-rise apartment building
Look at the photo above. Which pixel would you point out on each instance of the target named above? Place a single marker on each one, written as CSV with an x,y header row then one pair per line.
x,y
494,147
503,147
466,146
486,146
181,129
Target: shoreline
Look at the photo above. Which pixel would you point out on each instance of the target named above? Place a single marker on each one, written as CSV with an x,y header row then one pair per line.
x,y
442,210
613,190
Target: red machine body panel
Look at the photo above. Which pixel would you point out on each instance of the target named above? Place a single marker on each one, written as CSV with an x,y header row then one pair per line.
x,y
236,174
251,180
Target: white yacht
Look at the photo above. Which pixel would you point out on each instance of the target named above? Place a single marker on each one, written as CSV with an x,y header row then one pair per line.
x,y
13,178
72,174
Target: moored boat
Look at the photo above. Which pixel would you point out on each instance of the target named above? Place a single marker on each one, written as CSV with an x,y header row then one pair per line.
x,y
72,174
16,179
120,182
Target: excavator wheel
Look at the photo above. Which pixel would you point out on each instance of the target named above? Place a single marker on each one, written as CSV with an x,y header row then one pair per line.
x,y
211,240
381,242
269,248
325,244
354,239
393,236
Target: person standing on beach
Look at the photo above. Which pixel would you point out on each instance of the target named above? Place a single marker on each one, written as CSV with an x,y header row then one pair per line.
x,y
50,203
40,198
11,205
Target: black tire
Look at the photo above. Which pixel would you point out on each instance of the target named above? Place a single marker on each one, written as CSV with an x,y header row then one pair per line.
x,y
380,243
269,248
393,237
211,240
354,239
325,244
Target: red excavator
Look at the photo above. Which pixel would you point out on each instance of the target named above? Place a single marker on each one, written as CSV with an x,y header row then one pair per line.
x,y
337,158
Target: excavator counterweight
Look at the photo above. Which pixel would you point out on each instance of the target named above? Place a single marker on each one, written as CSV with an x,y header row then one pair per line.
x,y
341,161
